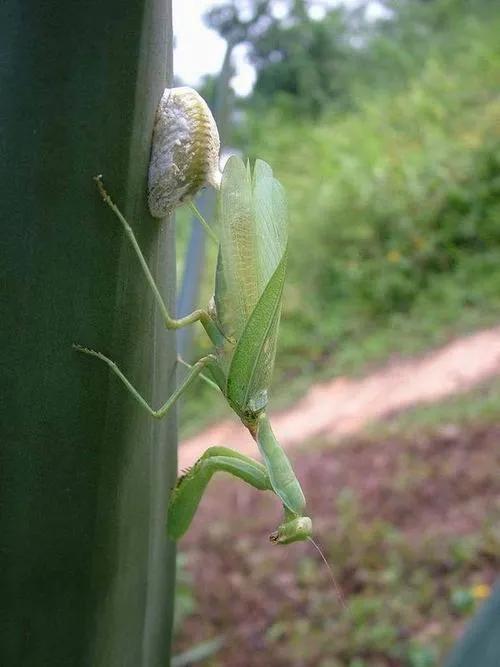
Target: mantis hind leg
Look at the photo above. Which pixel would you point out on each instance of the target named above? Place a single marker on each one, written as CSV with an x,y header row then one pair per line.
x,y
170,322
196,369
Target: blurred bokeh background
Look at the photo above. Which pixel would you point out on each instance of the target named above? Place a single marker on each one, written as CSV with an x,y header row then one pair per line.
x,y
382,120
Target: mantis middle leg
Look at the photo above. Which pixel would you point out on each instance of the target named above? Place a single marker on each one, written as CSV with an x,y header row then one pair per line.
x,y
204,362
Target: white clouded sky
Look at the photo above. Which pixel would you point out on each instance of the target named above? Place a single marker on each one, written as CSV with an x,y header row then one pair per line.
x,y
199,50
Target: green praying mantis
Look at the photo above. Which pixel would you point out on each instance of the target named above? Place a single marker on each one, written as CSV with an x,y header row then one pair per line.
x,y
242,321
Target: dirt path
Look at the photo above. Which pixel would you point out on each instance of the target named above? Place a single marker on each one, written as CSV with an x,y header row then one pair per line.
x,y
344,406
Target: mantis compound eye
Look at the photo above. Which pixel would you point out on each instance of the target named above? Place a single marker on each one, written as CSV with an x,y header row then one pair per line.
x,y
296,530
185,150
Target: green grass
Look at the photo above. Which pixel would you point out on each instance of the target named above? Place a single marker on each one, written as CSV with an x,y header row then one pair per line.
x,y
479,406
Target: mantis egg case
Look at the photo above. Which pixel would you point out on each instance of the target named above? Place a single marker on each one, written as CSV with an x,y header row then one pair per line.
x,y
185,150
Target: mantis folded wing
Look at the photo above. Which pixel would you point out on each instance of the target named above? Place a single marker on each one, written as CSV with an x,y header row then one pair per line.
x,y
243,326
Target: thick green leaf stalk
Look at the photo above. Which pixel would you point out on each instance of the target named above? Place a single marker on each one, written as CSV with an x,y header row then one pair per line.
x,y
87,572
480,645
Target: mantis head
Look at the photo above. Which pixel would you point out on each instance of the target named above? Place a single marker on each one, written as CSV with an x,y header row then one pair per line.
x,y
296,530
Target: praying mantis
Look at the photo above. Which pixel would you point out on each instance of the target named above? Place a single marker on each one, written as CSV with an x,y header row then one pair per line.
x,y
242,318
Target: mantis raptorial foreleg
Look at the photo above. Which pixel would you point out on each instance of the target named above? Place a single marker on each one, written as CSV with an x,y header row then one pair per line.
x,y
190,487
187,493
196,369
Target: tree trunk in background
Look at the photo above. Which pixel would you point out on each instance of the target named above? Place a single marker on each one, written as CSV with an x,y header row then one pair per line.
x,y
87,575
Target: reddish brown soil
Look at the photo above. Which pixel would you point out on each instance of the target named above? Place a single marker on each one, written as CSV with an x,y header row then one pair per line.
x,y
440,484
344,406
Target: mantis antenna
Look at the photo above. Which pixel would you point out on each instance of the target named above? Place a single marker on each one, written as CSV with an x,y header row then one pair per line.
x,y
338,591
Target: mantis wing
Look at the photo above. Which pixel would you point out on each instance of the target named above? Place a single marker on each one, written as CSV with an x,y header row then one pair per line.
x,y
236,287
250,276
252,363
270,220
253,235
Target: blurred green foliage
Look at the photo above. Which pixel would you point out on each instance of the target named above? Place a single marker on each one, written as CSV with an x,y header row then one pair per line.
x,y
303,61
386,200
394,194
